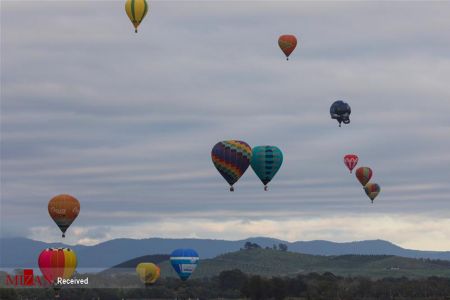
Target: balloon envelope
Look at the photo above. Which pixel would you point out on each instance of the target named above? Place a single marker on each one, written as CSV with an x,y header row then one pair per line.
x,y
57,262
184,262
136,11
231,158
63,209
340,111
372,190
148,272
351,160
266,161
287,44
363,174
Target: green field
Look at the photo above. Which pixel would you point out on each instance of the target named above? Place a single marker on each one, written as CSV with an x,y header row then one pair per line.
x,y
268,262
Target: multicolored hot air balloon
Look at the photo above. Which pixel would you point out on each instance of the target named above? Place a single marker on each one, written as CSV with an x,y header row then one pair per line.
x,y
351,160
148,273
372,190
231,158
136,11
63,209
340,111
184,261
57,262
266,161
363,174
287,43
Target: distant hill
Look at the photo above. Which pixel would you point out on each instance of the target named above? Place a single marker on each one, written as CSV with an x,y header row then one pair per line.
x,y
130,265
22,252
268,263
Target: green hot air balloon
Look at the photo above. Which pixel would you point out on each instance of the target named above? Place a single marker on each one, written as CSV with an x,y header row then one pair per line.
x,y
266,161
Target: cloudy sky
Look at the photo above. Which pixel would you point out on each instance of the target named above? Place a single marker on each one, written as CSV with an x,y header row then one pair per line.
x,y
125,122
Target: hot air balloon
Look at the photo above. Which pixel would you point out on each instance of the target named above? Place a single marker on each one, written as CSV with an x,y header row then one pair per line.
x,y
351,160
57,263
287,43
136,11
63,209
148,273
231,158
372,190
266,161
340,111
184,261
363,174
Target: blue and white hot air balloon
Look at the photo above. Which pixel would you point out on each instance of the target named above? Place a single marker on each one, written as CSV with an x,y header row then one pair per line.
x,y
184,261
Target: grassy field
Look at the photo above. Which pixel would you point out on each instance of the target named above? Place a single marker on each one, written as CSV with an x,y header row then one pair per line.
x,y
269,262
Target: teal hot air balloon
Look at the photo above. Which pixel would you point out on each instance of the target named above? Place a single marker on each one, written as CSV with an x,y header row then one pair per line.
x,y
266,161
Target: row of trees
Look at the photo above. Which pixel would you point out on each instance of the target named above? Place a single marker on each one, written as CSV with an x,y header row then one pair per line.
x,y
236,284
251,246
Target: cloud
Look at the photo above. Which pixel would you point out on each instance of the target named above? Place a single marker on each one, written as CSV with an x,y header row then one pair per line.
x,y
126,122
417,232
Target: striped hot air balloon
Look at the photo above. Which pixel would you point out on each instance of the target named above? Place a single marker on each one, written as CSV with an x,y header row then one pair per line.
x,y
184,262
136,11
63,209
363,174
372,190
266,161
231,158
57,263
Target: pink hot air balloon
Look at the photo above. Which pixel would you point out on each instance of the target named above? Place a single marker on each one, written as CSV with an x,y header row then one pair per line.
x,y
57,262
351,160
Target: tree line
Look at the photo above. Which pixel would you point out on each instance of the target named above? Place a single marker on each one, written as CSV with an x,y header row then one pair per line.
x,y
236,284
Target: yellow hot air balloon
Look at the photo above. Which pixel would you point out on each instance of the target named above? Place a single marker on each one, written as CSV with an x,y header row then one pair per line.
x,y
136,11
372,190
148,273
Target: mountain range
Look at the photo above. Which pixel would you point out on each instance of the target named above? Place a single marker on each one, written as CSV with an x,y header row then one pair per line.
x,y
23,252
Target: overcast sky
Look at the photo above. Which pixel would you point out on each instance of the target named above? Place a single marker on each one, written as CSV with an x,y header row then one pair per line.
x,y
125,122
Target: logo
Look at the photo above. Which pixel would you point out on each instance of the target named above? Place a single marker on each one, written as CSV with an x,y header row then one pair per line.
x,y
76,211
60,211
27,278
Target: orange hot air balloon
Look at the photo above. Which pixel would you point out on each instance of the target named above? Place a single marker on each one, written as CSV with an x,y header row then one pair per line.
x,y
350,160
372,190
363,174
63,209
287,43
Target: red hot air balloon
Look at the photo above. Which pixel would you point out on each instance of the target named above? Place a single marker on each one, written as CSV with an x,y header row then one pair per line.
x,y
351,160
363,174
57,262
287,43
